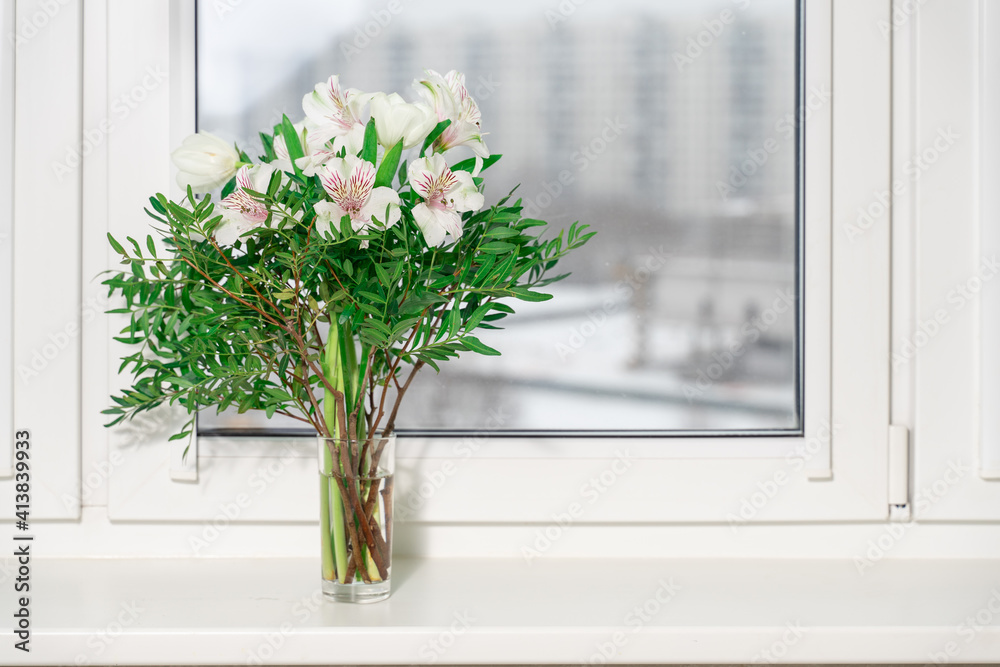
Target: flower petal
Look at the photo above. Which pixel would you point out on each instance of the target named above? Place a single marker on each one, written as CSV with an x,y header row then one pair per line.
x,y
379,199
437,223
205,162
466,195
328,216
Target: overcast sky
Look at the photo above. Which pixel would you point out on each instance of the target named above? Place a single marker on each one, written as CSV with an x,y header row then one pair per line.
x,y
274,38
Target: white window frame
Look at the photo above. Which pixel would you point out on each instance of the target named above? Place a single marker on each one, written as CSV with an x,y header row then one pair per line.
x,y
954,206
46,318
674,479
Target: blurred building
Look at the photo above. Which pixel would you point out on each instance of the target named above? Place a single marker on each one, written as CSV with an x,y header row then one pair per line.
x,y
662,126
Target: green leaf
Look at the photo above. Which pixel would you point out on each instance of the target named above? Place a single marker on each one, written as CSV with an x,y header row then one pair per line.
x,y
369,150
374,312
135,244
496,247
386,170
378,324
470,164
450,324
371,296
158,205
484,269
228,188
116,245
524,294
478,315
267,141
506,215
416,303
503,271
427,360
473,344
404,326
383,276
291,142
530,222
435,133
501,233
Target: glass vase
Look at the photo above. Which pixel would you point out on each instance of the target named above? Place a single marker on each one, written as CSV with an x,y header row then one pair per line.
x,y
355,483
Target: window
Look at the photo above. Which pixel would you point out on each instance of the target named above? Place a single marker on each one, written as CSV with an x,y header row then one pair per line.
x,y
667,126
834,468
682,490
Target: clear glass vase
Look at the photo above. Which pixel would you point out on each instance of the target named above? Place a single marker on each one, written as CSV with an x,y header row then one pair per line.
x,y
355,483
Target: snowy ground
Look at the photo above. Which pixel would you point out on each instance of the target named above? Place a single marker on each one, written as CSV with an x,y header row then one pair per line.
x,y
577,362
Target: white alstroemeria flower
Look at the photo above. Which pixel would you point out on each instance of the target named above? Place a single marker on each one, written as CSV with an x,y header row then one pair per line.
x,y
241,212
332,113
206,162
451,101
313,146
349,182
447,194
397,120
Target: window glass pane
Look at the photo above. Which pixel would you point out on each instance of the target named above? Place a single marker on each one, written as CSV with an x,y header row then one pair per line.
x,y
666,125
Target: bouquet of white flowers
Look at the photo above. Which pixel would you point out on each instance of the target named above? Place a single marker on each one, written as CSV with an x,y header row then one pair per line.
x,y
325,276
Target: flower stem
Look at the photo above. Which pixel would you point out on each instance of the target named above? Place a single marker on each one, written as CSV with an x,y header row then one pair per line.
x,y
369,561
338,538
326,545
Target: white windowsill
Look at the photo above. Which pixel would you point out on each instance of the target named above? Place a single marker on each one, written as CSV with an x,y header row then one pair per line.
x,y
185,611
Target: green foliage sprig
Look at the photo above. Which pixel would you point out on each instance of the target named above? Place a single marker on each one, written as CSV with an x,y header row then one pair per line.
x,y
287,315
